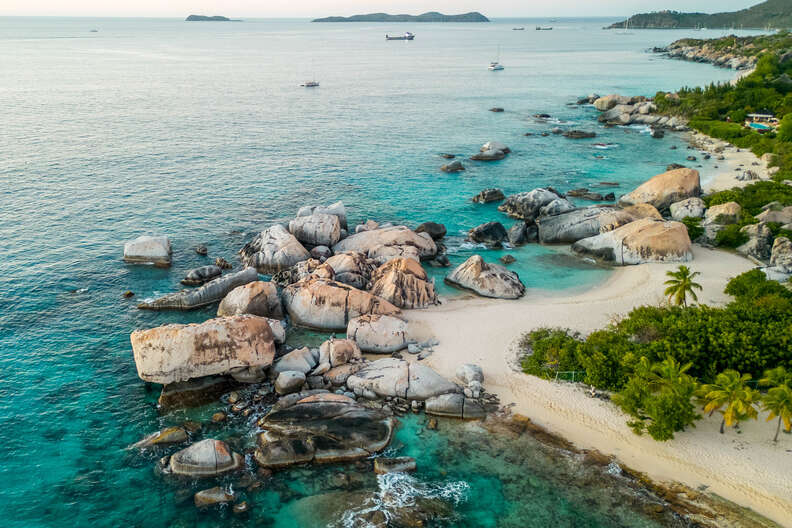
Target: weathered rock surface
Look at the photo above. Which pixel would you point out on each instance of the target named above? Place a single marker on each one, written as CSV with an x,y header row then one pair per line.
x,y
323,428
487,280
198,276
723,214
169,435
664,189
209,293
454,166
298,360
352,268
645,240
379,334
256,298
336,209
777,215
289,381
404,283
691,207
337,352
321,253
369,242
194,392
178,352
489,195
781,257
311,268
212,497
384,465
528,205
455,406
759,241
329,305
492,233
469,372
391,377
580,223
148,250
207,458
273,250
433,229
317,229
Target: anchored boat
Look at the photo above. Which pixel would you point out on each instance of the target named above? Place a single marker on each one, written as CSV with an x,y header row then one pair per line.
x,y
406,36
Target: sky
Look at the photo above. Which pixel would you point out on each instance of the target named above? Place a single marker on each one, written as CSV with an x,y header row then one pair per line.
x,y
316,8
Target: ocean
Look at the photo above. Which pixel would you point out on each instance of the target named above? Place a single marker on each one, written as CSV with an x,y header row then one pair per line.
x,y
200,131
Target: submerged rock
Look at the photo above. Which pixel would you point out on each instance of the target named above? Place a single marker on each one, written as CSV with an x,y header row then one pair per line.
x,y
178,352
209,293
212,497
454,166
198,276
645,240
255,298
379,334
384,465
273,250
207,458
194,392
169,435
489,195
487,280
149,250
528,205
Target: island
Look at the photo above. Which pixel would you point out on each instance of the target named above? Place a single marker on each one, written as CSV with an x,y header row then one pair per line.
x,y
204,18
771,14
431,16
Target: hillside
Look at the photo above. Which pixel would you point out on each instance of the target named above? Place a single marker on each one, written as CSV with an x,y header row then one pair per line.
x,y
203,18
776,14
432,16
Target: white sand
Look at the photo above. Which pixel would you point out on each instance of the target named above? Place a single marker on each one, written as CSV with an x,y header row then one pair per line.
x,y
736,162
745,468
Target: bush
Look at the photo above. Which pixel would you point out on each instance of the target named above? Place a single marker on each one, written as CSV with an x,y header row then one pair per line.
x,y
693,226
754,196
785,130
608,358
752,285
731,236
550,350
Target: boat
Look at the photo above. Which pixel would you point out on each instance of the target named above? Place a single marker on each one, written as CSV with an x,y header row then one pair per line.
x,y
544,28
406,36
626,29
495,65
310,84
518,29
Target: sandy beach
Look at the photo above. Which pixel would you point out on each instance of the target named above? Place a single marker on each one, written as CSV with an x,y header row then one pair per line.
x,y
746,468
736,162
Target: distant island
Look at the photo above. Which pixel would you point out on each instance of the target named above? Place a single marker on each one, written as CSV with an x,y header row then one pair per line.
x,y
202,18
432,16
775,14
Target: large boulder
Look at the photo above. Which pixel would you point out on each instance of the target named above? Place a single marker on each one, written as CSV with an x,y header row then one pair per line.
x,y
589,221
209,293
433,229
256,298
337,352
644,240
289,381
379,334
723,214
273,250
317,229
207,458
489,195
487,280
311,268
404,283
321,428
336,209
391,377
299,360
198,276
352,268
664,189
178,352
149,250
607,102
691,207
759,241
527,205
396,237
781,257
455,406
454,166
328,305
777,215
492,233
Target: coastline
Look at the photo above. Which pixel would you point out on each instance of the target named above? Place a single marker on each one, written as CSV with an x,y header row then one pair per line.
x,y
746,469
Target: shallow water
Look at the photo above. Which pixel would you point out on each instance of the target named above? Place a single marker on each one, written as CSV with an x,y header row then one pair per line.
x,y
201,132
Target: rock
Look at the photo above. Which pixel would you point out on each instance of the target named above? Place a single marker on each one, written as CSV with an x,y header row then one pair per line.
x,y
691,158
310,268
518,234
469,372
391,377
209,293
128,294
396,237
556,130
382,254
384,465
337,209
433,229
207,458
317,229
178,352
198,276
488,155
491,233
489,195
219,417
212,497
454,166
338,352
273,250
507,259
724,214
169,435
379,334
289,381
321,253
329,305
487,280
691,207
644,240
149,250
778,215
370,225
664,189
577,224
194,392
202,250
255,298
240,508
758,244
455,406
448,156
299,360
781,256
658,133
338,376
495,145
579,134
556,207
403,282
527,205
223,264
606,103
351,268
674,166
323,428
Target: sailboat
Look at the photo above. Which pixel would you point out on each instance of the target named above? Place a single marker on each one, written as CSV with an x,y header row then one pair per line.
x,y
626,28
495,65
312,83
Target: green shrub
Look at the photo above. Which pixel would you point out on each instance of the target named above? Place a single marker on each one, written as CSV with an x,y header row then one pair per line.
x,y
752,285
693,225
731,236
754,196
550,350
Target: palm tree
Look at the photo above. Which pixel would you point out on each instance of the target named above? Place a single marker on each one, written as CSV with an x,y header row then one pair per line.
x,y
731,391
776,378
778,402
680,285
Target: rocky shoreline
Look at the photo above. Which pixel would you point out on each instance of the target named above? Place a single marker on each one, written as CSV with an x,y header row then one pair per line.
x,y
695,51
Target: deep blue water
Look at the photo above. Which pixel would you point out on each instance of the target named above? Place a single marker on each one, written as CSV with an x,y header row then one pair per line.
x,y
200,131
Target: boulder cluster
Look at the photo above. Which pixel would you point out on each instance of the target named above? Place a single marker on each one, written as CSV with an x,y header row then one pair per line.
x,y
709,54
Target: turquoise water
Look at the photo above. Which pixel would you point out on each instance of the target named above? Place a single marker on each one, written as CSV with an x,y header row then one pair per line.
x,y
200,131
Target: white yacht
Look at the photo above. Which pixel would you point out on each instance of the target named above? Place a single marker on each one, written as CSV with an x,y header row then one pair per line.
x,y
310,84
406,36
495,65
